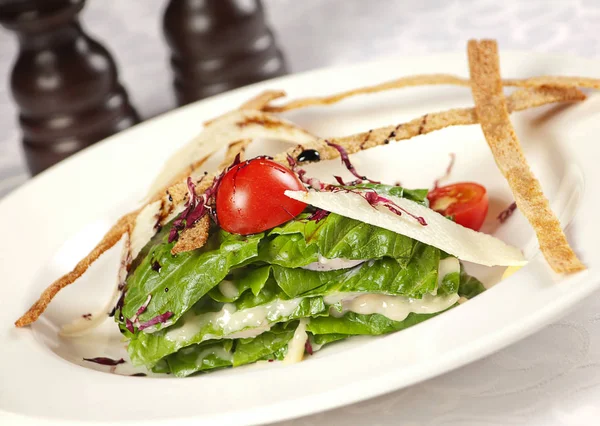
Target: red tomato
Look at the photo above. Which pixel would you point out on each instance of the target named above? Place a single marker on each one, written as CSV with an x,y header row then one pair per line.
x,y
466,202
251,197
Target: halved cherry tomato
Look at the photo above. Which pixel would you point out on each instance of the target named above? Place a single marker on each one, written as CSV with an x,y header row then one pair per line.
x,y
466,202
251,197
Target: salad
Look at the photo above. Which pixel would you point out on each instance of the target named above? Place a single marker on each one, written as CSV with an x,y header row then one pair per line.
x,y
278,279
261,262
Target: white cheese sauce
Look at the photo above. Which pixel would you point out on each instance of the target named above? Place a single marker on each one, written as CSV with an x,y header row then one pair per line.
x,y
396,308
295,349
234,324
324,264
447,266
228,289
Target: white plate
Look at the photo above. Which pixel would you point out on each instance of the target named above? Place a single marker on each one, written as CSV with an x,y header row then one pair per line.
x,y
49,223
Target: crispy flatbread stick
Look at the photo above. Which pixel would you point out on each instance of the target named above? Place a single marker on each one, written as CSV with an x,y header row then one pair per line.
x,y
194,237
518,101
262,99
111,238
492,113
432,79
235,148
413,80
555,81
257,103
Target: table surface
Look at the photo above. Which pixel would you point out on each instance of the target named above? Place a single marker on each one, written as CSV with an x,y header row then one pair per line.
x,y
550,378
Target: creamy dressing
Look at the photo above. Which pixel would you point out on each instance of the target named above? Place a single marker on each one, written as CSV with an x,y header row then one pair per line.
x,y
295,349
324,264
396,308
234,323
447,266
228,289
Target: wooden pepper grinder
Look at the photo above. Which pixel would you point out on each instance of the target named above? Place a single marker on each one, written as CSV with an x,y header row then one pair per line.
x,y
218,45
64,83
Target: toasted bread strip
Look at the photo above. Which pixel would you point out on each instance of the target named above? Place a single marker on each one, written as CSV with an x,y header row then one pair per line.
x,y
262,99
413,80
258,102
111,238
492,113
194,237
433,79
235,148
553,80
518,101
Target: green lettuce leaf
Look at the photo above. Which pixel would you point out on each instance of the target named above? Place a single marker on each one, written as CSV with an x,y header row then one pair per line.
x,y
358,324
148,348
218,354
300,242
469,286
177,282
413,278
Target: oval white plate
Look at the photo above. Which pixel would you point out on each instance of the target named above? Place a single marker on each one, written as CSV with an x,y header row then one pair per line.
x,y
49,223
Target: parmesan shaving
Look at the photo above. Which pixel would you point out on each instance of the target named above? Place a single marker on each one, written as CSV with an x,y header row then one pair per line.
x,y
461,242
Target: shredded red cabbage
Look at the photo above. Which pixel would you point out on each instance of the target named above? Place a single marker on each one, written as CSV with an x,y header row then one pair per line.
x,y
312,182
105,361
159,319
374,199
197,207
507,212
446,175
346,162
129,325
308,347
319,215
142,308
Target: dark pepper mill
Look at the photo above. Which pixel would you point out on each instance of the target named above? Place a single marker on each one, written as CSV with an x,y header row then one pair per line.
x,y
218,45
64,83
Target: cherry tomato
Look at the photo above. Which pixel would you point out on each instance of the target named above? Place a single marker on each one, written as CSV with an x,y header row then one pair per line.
x,y
466,202
251,198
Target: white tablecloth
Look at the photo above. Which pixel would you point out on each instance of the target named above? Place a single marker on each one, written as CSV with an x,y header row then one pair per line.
x,y
551,378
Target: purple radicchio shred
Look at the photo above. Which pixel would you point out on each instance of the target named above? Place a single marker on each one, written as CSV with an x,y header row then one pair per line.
x,y
374,199
308,347
155,266
436,183
159,319
346,162
129,325
507,212
197,207
119,305
312,182
142,308
105,361
319,215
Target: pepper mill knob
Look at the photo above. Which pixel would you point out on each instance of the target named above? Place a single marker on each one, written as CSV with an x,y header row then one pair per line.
x,y
218,45
64,82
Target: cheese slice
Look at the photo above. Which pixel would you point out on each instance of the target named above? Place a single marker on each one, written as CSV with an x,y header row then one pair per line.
x,y
461,242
